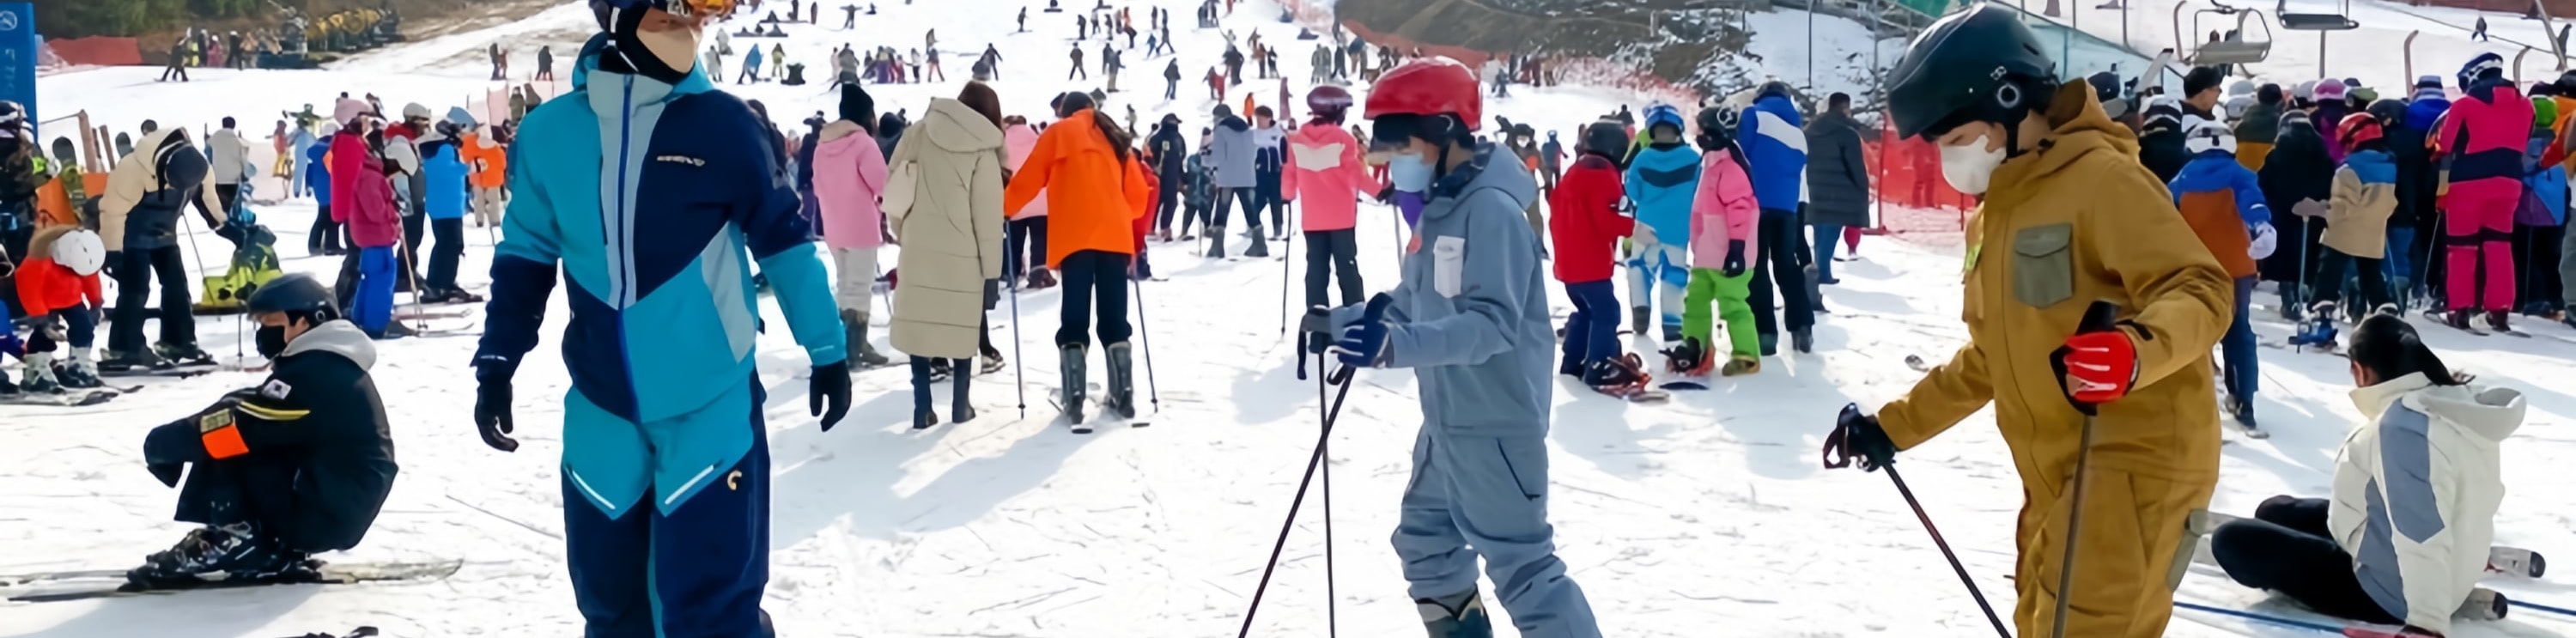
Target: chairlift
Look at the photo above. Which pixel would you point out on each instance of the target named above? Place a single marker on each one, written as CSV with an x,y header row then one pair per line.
x,y
2340,20
2242,46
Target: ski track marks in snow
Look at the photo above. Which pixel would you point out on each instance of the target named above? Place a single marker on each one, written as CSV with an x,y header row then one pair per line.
x,y
1708,509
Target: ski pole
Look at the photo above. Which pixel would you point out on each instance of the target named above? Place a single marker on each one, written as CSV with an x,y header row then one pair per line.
x,y
1944,545
2098,317
1324,447
1333,413
2349,631
1287,251
1019,369
1151,389
2530,605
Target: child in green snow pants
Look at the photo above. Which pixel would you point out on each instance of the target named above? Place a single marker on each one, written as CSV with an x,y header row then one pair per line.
x,y
1732,295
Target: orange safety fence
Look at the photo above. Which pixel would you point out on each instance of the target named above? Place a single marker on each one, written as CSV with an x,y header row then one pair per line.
x,y
99,51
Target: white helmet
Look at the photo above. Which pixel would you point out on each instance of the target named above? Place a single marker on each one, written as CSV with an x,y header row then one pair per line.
x,y
81,251
2207,136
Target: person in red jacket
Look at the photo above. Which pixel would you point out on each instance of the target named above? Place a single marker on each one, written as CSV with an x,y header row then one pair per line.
x,y
58,282
1586,230
1145,222
363,195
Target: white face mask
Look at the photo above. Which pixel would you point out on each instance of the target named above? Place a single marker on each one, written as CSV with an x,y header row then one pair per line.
x,y
1968,168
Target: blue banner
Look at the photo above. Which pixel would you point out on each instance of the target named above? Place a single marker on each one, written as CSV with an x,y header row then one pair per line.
x,y
18,56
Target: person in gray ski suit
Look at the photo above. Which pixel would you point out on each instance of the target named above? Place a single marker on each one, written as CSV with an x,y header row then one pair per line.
x,y
1233,151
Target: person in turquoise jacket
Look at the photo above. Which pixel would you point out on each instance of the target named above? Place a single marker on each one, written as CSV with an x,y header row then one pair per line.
x,y
1470,318
656,230
1662,179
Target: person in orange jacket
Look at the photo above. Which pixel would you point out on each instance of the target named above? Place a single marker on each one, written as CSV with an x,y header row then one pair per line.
x,y
488,163
1095,192
58,284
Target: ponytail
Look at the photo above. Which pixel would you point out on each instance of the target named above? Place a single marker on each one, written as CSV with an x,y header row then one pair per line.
x,y
1119,139
2388,347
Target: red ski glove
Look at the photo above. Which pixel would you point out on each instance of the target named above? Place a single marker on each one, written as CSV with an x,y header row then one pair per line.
x,y
2096,367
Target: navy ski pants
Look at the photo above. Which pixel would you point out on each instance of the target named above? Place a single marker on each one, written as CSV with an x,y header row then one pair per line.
x,y
696,571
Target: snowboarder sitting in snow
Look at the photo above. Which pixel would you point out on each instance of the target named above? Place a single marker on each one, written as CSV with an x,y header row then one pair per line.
x,y
2070,218
1466,317
2223,202
294,466
2405,537
1586,227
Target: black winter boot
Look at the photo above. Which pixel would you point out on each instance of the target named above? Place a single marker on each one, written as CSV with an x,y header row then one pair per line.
x,y
1122,380
1074,363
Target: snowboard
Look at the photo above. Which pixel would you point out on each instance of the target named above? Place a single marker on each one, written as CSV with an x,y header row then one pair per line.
x,y
182,371
87,585
64,398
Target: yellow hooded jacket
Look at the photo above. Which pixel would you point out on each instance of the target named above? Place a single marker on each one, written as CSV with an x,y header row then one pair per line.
x,y
2076,220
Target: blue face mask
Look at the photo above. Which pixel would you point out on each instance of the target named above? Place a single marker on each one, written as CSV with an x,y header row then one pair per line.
x,y
1409,173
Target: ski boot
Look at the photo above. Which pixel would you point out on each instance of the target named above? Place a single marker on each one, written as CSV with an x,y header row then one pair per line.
x,y
1637,320
8,389
2483,604
2519,562
924,418
40,374
233,550
1619,376
1216,242
459,296
1572,367
2242,410
1040,278
1461,617
1073,361
130,360
1672,332
187,354
2499,321
1741,365
863,353
78,372
394,330
2458,319
1804,339
1769,343
1122,379
1689,359
2318,329
1260,247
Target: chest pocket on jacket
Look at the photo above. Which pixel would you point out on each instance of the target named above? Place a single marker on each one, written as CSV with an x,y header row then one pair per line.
x,y
2043,271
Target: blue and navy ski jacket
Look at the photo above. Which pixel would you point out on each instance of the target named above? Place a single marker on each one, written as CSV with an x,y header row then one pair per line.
x,y
2219,170
1775,151
1663,182
443,176
317,173
2548,182
650,225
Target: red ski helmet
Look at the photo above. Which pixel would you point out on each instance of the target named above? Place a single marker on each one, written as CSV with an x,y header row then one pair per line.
x,y
1410,100
1328,102
2357,128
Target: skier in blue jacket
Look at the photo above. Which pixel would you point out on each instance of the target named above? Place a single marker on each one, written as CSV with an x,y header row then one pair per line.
x,y
1775,150
1470,318
324,238
444,196
665,461
1662,180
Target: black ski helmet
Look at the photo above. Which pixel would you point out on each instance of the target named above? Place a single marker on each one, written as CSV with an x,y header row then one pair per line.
x,y
297,295
1718,119
1606,138
1980,64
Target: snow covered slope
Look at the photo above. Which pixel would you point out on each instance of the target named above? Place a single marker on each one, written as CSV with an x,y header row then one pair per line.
x,y
1704,517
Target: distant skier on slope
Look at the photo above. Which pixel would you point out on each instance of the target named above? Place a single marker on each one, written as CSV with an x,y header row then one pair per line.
x,y
296,465
666,463
1325,172
1471,304
2070,218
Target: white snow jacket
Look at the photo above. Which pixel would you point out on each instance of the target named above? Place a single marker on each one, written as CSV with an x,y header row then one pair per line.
x,y
2416,492
229,157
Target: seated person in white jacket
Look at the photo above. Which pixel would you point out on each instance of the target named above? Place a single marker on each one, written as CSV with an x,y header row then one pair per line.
x,y
2405,538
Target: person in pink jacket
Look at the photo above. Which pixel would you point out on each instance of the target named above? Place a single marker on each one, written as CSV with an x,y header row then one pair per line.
x,y
2483,136
1724,215
363,197
1025,239
1325,172
849,176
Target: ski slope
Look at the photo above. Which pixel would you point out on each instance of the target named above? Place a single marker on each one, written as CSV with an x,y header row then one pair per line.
x,y
1704,517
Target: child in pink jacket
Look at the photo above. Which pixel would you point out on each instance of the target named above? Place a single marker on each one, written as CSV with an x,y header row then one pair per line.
x,y
849,176
1026,235
1325,172
1724,216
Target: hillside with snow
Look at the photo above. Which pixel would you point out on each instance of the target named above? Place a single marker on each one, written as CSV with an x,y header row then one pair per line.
x,y
1707,516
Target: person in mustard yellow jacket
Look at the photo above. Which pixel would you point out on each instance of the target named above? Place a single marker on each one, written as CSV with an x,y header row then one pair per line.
x,y
2070,218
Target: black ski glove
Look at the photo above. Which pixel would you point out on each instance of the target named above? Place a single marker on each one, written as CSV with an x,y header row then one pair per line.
x,y
1385,195
1734,258
1858,435
831,386
492,404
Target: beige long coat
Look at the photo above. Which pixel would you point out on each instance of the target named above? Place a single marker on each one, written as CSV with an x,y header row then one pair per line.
x,y
944,202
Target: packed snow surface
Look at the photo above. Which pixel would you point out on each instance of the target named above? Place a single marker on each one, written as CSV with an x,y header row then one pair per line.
x,y
1707,516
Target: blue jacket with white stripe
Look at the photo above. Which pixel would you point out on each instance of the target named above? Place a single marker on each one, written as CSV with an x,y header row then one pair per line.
x,y
1775,152
655,229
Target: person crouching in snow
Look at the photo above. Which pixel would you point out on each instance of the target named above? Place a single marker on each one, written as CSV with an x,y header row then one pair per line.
x,y
2070,217
1586,228
1086,168
1325,172
849,179
1726,219
946,211
58,283
296,465
1468,317
1662,178
2223,203
2404,538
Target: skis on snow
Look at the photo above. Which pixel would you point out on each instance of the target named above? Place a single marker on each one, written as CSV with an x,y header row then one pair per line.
x,y
68,397
93,584
1081,425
